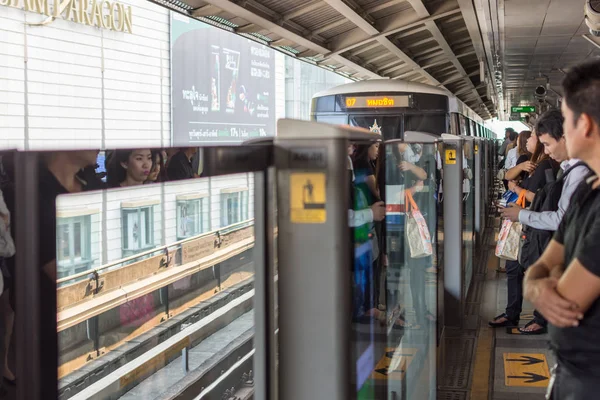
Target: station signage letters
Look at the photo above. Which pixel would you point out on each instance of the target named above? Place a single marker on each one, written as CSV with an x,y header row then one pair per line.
x,y
99,13
522,109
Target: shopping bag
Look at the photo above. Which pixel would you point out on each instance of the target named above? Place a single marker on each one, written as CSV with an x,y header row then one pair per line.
x,y
417,232
509,239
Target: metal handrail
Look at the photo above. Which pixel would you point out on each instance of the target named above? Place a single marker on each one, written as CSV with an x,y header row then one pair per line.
x,y
154,250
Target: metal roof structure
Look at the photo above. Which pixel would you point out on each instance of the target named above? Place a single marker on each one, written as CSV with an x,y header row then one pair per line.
x,y
532,43
437,42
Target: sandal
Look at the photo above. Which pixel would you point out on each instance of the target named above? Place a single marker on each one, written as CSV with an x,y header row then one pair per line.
x,y
540,331
507,322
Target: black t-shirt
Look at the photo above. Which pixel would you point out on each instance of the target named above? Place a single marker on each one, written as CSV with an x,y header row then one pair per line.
x,y
538,180
180,167
578,348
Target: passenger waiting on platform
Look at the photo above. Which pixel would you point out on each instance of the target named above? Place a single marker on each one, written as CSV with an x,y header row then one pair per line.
x,y
536,177
549,205
519,152
564,284
405,173
505,143
365,167
129,167
180,164
158,173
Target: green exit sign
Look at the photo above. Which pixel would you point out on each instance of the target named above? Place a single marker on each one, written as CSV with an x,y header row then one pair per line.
x,y
522,109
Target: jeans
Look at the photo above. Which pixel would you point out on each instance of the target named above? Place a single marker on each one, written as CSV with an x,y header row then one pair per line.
x,y
571,386
514,283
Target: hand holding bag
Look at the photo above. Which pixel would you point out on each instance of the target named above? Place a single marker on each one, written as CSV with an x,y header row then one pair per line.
x,y
509,238
417,232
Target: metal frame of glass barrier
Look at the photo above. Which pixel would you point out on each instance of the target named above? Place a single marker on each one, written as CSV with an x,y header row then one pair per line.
x,y
314,255
454,268
37,359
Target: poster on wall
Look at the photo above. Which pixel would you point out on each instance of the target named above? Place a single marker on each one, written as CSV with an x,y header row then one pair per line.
x,y
223,85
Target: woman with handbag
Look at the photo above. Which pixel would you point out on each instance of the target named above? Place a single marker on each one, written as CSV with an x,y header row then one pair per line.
x,y
534,173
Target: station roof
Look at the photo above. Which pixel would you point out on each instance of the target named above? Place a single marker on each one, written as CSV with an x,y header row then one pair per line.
x,y
533,43
436,42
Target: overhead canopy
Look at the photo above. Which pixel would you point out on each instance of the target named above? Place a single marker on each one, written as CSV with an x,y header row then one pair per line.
x,y
428,41
532,43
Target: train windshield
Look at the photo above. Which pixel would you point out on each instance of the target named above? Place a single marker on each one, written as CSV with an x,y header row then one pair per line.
x,y
391,126
388,126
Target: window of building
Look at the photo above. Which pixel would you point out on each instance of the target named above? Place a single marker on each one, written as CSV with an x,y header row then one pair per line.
x,y
192,215
73,245
234,206
137,223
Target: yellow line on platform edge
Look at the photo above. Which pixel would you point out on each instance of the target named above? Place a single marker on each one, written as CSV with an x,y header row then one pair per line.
x,y
481,370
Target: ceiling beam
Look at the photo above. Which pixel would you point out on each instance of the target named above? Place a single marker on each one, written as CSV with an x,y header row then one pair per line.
x,y
443,43
399,24
329,26
383,5
285,33
303,9
353,16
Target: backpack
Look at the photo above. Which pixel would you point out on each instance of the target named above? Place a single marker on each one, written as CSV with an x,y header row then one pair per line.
x,y
534,241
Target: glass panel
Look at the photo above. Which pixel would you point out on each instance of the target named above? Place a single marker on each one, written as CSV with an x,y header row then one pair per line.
x,y
430,123
411,275
125,324
389,127
469,211
63,253
395,279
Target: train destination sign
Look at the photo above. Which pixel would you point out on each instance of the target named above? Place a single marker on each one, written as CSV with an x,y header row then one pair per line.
x,y
522,109
377,101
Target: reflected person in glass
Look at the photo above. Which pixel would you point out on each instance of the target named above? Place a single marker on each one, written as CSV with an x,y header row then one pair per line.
x,y
128,167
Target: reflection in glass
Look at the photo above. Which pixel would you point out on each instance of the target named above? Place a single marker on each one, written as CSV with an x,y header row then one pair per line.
x,y
130,239
469,211
411,284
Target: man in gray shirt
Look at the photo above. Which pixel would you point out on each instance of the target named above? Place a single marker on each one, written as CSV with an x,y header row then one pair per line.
x,y
550,133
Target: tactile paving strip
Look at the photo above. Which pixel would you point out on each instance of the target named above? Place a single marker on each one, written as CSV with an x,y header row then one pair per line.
x,y
449,395
458,357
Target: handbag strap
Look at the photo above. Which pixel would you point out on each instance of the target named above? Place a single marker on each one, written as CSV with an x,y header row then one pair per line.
x,y
410,201
521,201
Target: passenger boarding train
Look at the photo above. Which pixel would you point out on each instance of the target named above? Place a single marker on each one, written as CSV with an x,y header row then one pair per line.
x,y
393,107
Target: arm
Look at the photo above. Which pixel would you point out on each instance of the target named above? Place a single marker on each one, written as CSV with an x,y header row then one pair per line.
x,y
372,184
514,172
359,217
419,172
540,287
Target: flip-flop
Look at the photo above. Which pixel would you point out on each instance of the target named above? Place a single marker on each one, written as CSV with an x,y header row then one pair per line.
x,y
540,331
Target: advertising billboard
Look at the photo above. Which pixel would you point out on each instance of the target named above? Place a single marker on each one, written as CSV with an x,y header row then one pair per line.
x,y
223,85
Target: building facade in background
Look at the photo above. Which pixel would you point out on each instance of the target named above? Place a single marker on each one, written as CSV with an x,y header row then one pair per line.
x,y
148,78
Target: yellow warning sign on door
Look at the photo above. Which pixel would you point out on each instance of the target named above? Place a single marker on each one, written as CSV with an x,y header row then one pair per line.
x,y
450,156
307,198
525,369
394,364
476,149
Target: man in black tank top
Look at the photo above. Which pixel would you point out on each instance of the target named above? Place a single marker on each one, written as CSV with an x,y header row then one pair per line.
x,y
564,284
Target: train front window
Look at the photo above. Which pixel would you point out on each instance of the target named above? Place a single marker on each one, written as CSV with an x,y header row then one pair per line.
x,y
388,126
429,123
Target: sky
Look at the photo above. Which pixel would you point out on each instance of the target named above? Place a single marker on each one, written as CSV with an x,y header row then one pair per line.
x,y
498,127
